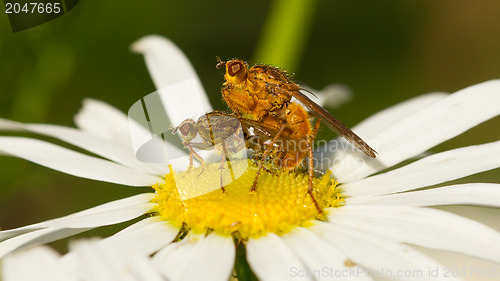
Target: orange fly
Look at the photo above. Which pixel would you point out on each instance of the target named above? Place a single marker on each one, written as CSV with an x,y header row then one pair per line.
x,y
264,93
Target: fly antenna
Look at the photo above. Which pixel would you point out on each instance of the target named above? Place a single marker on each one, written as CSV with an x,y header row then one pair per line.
x,y
220,63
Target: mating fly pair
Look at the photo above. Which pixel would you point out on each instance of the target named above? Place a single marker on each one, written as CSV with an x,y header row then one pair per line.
x,y
274,126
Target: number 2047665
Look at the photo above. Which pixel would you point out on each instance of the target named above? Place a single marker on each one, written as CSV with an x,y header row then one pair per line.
x,y
32,8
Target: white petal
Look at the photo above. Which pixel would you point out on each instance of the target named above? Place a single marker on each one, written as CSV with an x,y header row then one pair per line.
x,y
107,148
323,261
271,259
48,231
39,263
371,126
98,262
103,120
332,96
144,269
383,119
74,163
380,255
197,257
106,214
167,64
434,169
144,237
153,117
471,268
37,237
93,260
480,194
423,227
176,255
425,129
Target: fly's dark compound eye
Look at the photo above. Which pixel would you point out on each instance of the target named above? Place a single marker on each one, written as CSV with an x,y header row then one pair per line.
x,y
185,128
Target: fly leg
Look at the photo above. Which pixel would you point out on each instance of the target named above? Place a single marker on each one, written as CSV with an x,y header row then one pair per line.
x,y
310,189
256,159
269,171
192,154
316,128
264,155
255,143
221,168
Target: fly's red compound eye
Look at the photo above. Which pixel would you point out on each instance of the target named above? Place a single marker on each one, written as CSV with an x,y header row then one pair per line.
x,y
234,68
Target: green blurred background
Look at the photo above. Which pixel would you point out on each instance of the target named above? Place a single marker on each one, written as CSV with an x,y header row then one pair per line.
x,y
385,51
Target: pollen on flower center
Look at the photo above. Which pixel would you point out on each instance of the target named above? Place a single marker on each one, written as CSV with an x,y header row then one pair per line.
x,y
280,203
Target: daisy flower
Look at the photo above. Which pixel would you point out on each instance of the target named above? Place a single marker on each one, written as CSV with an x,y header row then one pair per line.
x,y
375,215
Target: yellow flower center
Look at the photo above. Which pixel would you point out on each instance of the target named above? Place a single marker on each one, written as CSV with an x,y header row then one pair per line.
x,y
280,203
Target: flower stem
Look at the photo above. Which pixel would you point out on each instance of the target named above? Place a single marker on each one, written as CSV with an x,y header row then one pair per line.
x,y
285,33
241,267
